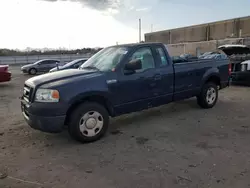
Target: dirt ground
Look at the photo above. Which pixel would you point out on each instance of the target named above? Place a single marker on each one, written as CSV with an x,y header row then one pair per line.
x,y
178,145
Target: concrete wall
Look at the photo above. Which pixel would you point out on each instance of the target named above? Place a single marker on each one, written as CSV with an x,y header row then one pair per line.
x,y
238,27
201,47
245,27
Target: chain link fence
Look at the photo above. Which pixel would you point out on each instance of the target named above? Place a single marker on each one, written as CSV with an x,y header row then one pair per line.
x,y
21,60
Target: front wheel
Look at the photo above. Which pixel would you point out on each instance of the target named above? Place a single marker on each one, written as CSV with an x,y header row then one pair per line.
x,y
89,122
208,95
32,71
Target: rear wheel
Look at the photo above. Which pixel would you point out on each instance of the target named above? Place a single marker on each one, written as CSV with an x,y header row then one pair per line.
x,y
32,71
88,122
208,95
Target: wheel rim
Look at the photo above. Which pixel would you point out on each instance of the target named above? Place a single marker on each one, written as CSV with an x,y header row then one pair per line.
x,y
211,95
91,123
33,71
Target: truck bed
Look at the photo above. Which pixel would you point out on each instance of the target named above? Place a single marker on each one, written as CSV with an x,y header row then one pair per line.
x,y
189,76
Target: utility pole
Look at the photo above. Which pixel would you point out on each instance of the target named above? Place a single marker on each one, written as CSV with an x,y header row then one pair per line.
x,y
139,30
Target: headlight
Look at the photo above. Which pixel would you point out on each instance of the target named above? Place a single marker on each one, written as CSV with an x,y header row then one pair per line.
x,y
47,95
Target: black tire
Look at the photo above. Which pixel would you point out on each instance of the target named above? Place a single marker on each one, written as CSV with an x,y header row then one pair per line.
x,y
202,97
76,116
32,71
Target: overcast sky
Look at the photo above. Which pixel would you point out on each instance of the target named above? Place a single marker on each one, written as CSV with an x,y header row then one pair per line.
x,y
94,23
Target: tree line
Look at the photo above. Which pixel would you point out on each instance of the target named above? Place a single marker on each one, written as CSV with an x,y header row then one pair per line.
x,y
10,52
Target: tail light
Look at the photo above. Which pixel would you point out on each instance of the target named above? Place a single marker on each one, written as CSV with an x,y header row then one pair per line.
x,y
4,68
229,68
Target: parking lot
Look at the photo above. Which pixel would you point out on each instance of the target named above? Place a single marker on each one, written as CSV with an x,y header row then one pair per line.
x,y
177,145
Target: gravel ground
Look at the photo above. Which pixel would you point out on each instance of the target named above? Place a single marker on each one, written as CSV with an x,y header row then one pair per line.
x,y
177,145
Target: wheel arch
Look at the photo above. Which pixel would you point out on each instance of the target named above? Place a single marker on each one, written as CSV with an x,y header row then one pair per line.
x,y
215,79
212,75
94,97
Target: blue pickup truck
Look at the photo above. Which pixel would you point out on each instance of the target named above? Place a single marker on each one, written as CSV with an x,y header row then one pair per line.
x,y
117,80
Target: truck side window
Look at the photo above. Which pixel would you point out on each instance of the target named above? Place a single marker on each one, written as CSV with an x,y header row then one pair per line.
x,y
146,57
162,56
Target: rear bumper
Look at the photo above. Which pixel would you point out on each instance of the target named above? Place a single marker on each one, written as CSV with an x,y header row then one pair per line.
x,y
5,76
50,124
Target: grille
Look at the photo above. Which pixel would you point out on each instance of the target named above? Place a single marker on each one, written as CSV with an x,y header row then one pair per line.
x,y
27,93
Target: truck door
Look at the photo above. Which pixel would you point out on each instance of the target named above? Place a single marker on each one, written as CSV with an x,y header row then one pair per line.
x,y
164,76
133,92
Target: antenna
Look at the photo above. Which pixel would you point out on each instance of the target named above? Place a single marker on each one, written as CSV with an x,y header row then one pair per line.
x,y
139,30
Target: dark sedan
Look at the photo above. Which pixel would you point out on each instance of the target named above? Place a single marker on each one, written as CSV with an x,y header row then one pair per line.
x,y
71,65
242,77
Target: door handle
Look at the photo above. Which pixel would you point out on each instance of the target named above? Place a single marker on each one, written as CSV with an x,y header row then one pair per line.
x,y
157,77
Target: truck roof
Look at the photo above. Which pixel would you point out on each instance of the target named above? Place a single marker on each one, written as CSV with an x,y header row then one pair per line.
x,y
137,44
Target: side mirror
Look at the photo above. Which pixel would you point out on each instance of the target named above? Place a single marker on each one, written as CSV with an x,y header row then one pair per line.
x,y
133,65
76,66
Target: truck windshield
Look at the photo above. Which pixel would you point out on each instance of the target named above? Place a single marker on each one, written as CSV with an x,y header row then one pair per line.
x,y
106,59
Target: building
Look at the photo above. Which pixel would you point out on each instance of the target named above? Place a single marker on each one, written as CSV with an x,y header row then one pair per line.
x,y
205,37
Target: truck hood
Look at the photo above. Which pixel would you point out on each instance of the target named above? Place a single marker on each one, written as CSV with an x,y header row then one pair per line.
x,y
61,75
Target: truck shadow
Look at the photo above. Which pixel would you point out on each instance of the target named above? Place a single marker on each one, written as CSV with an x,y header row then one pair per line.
x,y
168,110
174,110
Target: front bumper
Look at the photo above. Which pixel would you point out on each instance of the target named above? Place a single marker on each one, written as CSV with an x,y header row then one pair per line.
x,y
51,124
24,70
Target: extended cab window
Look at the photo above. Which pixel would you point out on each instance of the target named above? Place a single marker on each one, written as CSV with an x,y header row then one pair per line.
x,y
161,54
146,57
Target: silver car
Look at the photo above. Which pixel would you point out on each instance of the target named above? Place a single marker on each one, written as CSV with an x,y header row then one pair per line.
x,y
40,66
